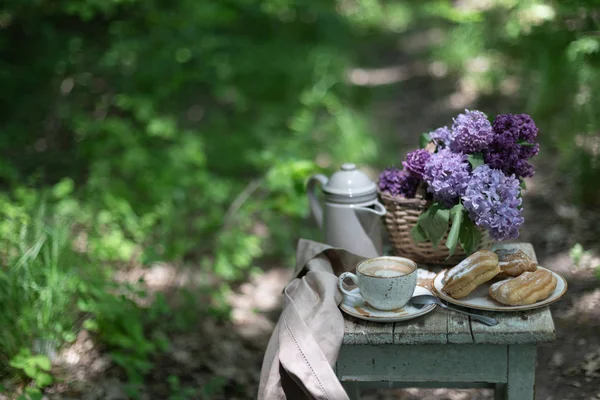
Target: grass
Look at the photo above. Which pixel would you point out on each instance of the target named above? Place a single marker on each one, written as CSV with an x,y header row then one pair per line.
x,y
42,280
49,291
39,283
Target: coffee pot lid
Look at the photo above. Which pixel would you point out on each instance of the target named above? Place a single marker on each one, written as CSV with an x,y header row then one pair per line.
x,y
350,183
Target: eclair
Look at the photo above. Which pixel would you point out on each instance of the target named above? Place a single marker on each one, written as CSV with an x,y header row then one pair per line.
x,y
474,270
527,288
513,262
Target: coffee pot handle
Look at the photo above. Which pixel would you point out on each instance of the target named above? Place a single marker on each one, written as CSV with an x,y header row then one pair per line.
x,y
311,189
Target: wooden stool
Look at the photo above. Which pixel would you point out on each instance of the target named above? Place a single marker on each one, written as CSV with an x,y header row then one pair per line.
x,y
446,349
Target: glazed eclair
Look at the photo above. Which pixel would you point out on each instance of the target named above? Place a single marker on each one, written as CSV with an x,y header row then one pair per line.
x,y
527,288
513,262
474,270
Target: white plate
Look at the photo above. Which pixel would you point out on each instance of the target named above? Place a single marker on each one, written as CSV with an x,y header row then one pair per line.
x,y
357,307
479,299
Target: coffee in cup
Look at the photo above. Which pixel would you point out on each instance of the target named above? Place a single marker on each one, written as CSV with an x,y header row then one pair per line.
x,y
386,283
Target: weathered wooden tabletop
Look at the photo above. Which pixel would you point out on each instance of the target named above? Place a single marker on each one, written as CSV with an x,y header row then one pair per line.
x,y
442,327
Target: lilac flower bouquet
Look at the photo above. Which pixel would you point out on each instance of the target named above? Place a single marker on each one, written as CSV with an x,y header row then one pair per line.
x,y
473,174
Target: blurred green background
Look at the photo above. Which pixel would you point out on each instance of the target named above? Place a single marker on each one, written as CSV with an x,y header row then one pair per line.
x,y
134,132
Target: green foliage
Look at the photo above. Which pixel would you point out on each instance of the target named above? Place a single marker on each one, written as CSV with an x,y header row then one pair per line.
x,y
209,390
424,139
31,393
469,235
48,289
39,281
213,387
178,392
34,366
457,215
432,224
166,113
476,159
181,131
576,253
436,221
123,327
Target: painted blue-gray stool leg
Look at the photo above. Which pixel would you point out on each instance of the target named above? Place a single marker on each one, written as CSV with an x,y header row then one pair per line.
x,y
500,391
352,390
521,372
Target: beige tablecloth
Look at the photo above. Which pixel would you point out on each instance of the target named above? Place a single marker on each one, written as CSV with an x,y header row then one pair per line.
x,y
300,358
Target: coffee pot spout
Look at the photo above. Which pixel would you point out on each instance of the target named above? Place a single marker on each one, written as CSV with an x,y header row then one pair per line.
x,y
378,209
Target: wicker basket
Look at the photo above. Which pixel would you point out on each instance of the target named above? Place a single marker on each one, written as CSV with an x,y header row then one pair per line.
x,y
401,217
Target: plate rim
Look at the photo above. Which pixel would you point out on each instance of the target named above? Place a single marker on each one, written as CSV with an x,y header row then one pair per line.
x,y
501,308
424,311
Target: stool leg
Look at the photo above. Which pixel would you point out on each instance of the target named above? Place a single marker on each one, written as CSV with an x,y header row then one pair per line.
x,y
351,389
500,391
521,372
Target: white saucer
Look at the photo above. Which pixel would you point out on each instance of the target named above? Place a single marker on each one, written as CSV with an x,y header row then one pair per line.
x,y
357,307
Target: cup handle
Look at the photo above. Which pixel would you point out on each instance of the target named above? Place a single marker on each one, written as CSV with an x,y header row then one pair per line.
x,y
353,278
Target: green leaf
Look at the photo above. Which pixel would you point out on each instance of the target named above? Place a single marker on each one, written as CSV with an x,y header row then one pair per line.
x,y
418,234
523,184
63,188
43,362
20,360
69,337
475,159
424,140
18,363
456,216
434,223
33,393
91,325
43,379
525,143
469,236
582,47
576,253
31,370
174,382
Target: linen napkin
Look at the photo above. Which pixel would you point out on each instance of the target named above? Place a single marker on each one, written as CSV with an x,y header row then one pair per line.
x,y
301,354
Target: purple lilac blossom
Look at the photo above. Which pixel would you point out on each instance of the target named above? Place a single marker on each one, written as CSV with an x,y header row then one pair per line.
x,y
447,175
398,183
493,202
415,162
514,143
442,135
471,132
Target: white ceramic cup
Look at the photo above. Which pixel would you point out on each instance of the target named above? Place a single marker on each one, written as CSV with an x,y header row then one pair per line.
x,y
386,283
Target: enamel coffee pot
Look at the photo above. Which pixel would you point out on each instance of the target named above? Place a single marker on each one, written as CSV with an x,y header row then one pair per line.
x,y
351,217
